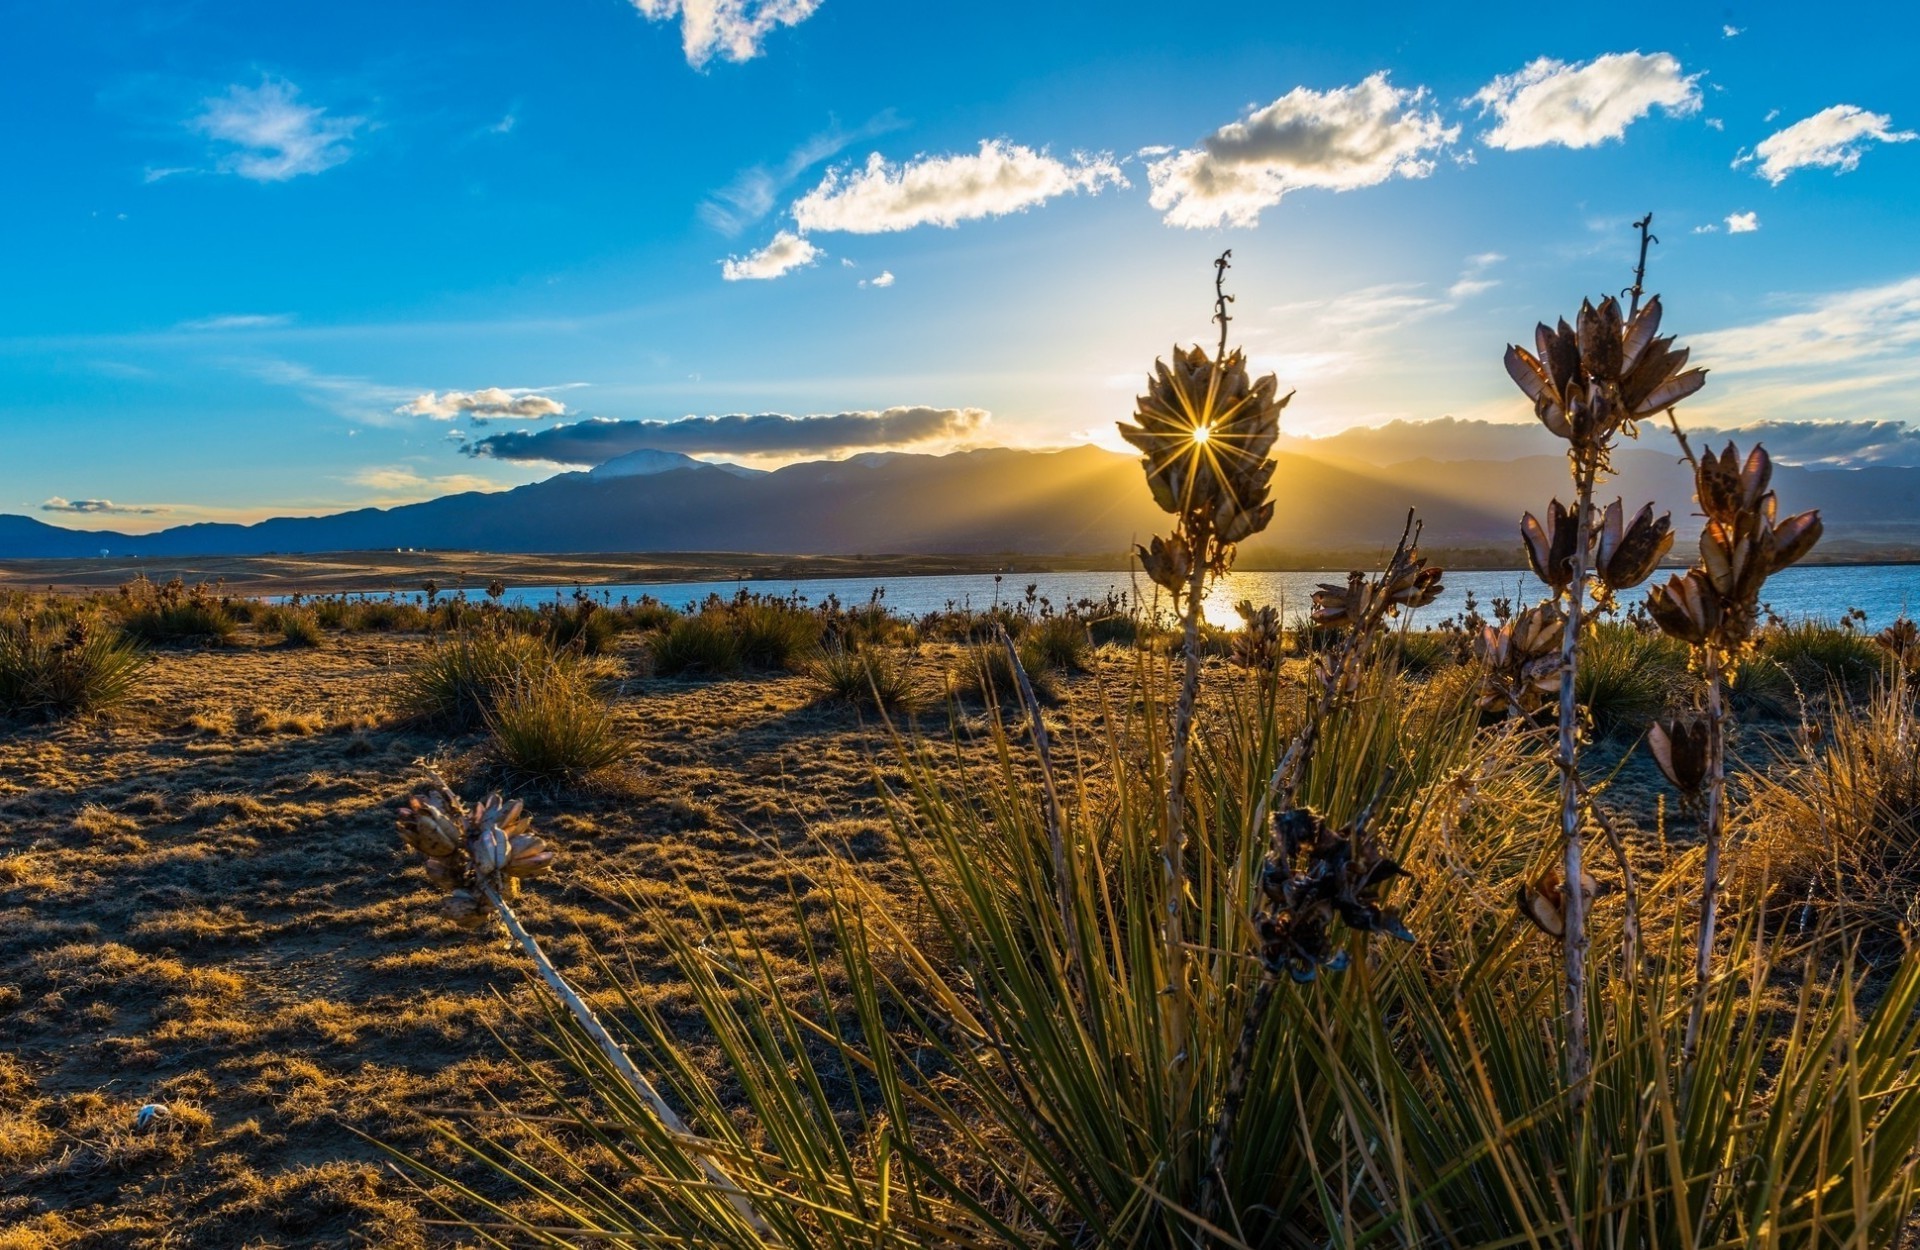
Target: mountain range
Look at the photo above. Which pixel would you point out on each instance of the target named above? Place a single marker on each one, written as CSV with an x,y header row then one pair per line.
x,y
1080,501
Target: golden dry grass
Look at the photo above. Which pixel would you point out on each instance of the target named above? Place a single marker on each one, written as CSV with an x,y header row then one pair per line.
x,y
205,907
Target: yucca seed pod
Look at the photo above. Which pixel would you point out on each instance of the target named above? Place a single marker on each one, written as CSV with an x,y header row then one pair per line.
x,y
1550,545
466,909
1204,430
1628,552
1686,608
1544,903
1168,563
1679,748
1794,537
1587,382
428,829
528,856
1341,607
1521,659
1901,640
443,871
1729,488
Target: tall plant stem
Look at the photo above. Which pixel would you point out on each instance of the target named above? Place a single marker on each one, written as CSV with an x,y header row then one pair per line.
x,y
1579,1057
1056,821
635,1079
1173,848
1712,824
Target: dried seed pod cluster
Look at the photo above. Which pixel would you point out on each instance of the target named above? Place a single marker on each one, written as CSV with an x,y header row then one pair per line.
x,y
1205,428
1901,642
1591,380
1362,604
1716,604
471,850
1315,876
1259,644
1520,659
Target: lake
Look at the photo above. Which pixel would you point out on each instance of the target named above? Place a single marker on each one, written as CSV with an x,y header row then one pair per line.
x,y
1882,591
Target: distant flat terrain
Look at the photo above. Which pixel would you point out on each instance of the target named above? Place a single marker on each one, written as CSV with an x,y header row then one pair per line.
x,y
333,572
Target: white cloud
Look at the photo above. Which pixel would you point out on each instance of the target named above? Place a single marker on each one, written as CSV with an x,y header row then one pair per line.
x,y
1832,139
1742,223
400,483
730,29
1584,105
264,133
1715,123
1729,32
752,192
1000,178
885,279
1473,279
1709,228
787,252
1336,140
239,321
488,401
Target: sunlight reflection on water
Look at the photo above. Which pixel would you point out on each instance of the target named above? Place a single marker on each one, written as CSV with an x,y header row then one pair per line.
x,y
1882,591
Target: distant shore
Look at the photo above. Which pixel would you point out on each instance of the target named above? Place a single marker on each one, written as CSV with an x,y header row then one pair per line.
x,y
407,571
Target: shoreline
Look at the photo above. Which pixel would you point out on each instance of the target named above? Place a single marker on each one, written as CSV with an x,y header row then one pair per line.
x,y
379,572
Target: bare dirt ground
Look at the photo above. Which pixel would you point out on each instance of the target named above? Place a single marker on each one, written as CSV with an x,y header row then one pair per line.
x,y
205,907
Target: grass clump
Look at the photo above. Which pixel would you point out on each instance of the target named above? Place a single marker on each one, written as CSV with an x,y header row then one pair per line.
x,y
698,645
299,627
1820,656
876,678
551,725
173,613
985,673
457,682
84,668
1627,677
1058,642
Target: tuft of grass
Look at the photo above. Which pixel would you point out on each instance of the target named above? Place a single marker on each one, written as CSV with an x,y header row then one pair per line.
x,y
697,645
1835,833
1058,642
986,674
457,682
173,613
1626,677
773,635
876,678
299,627
1820,656
550,725
85,668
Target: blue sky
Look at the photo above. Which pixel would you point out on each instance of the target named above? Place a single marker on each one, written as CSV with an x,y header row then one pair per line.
x,y
293,258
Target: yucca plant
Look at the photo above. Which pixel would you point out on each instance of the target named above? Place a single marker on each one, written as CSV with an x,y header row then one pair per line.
x,y
457,682
874,677
1714,607
82,667
1204,430
1591,382
548,724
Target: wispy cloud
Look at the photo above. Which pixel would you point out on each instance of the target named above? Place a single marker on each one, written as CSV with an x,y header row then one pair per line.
x,y
732,30
1833,138
1849,354
599,439
753,192
1000,178
239,321
401,484
786,253
488,401
1585,104
885,279
1336,140
266,134
101,507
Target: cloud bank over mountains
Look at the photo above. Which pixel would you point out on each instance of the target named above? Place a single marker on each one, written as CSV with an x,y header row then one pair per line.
x,y
600,439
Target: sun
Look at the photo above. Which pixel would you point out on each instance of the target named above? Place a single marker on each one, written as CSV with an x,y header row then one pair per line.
x,y
1200,433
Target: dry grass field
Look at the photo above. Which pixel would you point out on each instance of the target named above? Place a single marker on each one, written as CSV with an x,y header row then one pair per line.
x,y
206,908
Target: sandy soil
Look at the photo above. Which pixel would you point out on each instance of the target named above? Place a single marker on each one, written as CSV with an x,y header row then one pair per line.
x,y
205,907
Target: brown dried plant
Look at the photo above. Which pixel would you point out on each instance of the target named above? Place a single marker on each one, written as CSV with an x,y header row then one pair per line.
x,y
1589,382
1714,607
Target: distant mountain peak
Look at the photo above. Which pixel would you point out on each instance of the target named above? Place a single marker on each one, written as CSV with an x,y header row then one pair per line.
x,y
647,461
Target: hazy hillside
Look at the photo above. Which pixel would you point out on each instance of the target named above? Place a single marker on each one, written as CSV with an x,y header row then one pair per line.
x,y
1079,501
